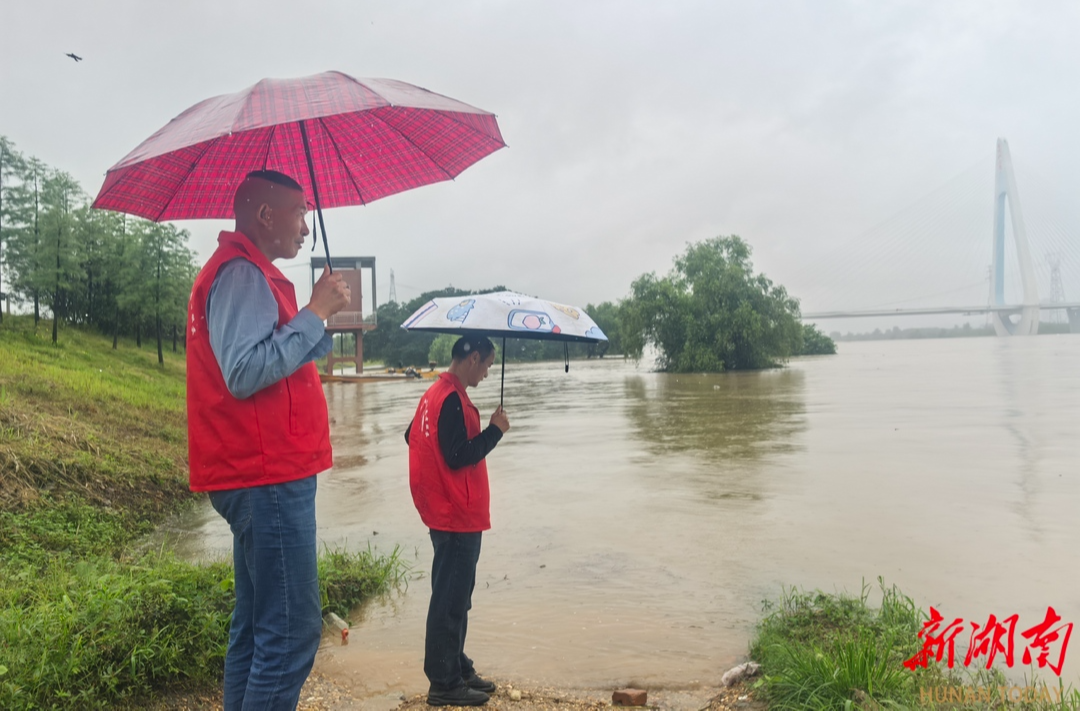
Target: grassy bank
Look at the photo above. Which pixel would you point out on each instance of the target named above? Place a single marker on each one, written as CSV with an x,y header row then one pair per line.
x,y
92,457
836,651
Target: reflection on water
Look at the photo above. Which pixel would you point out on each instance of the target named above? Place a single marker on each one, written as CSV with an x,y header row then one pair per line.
x,y
718,416
640,518
733,422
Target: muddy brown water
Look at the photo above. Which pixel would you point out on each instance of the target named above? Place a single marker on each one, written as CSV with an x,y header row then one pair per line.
x,y
639,519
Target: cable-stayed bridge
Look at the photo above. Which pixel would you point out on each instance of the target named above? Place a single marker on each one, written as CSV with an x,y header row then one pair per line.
x,y
1013,291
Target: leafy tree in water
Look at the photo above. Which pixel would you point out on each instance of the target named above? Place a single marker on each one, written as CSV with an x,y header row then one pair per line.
x,y
814,342
712,313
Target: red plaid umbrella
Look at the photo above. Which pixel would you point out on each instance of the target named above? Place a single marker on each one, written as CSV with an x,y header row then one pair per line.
x,y
347,141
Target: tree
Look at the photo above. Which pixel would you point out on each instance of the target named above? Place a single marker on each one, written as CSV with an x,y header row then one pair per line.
x,y
170,274
607,316
814,342
711,312
441,349
62,196
12,167
26,265
87,266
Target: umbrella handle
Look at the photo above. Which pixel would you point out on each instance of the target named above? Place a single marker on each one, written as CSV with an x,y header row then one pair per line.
x,y
315,194
502,378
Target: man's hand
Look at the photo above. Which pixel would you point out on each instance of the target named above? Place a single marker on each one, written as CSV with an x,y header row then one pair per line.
x,y
329,295
499,419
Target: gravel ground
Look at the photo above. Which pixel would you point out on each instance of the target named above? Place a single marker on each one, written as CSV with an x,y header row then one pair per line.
x,y
550,699
321,693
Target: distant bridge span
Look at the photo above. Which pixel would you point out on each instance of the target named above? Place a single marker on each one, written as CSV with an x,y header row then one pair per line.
x,y
1026,313
1070,307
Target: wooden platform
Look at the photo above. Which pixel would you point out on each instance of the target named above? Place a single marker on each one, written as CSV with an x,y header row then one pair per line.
x,y
378,377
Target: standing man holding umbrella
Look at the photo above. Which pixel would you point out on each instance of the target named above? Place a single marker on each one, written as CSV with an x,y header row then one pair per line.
x,y
258,433
449,482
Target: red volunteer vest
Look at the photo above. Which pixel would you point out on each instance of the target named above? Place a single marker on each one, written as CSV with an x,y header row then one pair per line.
x,y
456,500
280,433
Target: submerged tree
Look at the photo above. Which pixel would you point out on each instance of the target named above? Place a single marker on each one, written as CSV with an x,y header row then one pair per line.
x,y
712,313
814,342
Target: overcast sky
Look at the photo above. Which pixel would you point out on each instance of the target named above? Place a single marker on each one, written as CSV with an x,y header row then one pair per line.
x,y
632,127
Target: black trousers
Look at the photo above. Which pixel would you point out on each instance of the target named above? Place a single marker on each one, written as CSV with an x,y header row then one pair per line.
x,y
453,577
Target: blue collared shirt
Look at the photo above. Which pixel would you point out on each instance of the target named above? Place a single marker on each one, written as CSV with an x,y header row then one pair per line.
x,y
251,350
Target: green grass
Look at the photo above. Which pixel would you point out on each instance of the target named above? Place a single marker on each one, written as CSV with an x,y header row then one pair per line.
x,y
93,457
835,651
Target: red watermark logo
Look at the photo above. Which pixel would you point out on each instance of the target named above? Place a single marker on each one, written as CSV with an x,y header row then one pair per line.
x,y
1046,642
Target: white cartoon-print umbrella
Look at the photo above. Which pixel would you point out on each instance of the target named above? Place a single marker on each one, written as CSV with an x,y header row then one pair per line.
x,y
505,314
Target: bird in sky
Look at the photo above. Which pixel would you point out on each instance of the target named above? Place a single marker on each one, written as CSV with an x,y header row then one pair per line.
x,y
74,56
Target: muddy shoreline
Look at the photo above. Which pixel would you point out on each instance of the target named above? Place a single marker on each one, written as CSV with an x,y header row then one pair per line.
x,y
322,692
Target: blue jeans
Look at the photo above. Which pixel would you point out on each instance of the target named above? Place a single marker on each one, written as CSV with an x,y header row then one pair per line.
x,y
277,622
453,576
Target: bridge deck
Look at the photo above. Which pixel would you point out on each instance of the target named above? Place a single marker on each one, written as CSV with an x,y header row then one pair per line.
x,y
983,309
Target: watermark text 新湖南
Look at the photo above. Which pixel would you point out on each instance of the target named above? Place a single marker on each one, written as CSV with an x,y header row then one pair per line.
x,y
1045,643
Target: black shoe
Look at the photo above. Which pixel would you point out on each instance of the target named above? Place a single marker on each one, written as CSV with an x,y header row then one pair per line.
x,y
479,683
460,696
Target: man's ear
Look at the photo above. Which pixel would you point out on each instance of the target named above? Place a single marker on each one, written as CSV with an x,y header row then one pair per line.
x,y
264,214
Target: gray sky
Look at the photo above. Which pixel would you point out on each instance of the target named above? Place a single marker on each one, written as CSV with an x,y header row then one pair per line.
x,y
633,127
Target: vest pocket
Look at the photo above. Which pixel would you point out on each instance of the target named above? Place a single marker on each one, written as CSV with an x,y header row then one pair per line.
x,y
296,415
307,408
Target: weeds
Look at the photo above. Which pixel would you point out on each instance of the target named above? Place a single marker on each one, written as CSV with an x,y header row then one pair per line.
x,y
349,579
834,651
92,456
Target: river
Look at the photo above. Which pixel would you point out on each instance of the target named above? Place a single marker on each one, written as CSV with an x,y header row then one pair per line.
x,y
639,519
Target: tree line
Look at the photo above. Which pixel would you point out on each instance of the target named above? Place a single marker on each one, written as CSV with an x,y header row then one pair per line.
x,y
132,277
61,259
710,313
397,348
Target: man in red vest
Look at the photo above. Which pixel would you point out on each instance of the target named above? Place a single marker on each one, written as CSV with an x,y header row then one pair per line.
x,y
449,482
258,433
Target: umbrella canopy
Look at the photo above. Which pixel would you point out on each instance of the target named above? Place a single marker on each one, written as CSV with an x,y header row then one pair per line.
x,y
346,141
505,314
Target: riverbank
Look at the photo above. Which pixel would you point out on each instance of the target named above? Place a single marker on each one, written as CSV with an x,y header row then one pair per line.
x,y
323,693
91,441
93,457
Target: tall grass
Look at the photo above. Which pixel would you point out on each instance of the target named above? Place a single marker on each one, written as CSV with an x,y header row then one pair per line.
x,y
834,651
349,578
92,456
91,632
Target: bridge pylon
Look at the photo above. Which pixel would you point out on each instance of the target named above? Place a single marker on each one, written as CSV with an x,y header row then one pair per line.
x,y
1005,193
